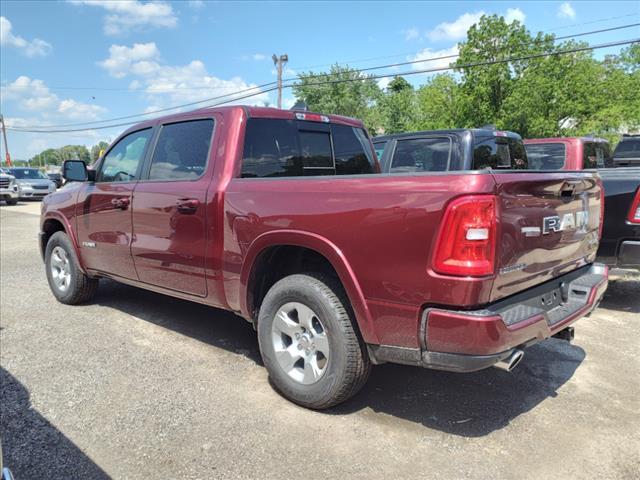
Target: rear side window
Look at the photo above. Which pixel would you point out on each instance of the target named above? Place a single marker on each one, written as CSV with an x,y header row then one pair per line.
x,y
379,148
288,148
182,150
499,153
546,156
421,155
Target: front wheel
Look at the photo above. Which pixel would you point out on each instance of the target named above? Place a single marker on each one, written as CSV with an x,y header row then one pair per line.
x,y
11,201
309,343
67,282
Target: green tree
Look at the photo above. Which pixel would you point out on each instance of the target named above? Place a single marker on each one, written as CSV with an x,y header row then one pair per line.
x,y
398,108
356,97
439,104
96,149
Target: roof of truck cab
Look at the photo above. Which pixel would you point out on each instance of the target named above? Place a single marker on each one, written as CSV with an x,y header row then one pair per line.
x,y
478,132
572,140
251,112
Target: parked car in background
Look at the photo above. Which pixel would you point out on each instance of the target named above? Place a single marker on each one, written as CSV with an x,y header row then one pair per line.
x,y
33,183
9,188
627,152
56,178
281,217
620,242
450,150
568,153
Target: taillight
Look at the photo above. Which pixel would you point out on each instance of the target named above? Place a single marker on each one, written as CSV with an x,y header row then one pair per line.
x,y
634,211
466,244
601,210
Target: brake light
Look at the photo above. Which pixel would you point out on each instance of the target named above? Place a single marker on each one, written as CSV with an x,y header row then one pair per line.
x,y
466,244
634,211
312,117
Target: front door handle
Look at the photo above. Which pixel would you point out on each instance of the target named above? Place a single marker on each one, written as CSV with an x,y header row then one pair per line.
x,y
122,203
187,205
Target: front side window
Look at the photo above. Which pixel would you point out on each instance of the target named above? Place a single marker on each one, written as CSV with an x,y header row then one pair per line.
x,y
421,155
182,150
546,156
123,161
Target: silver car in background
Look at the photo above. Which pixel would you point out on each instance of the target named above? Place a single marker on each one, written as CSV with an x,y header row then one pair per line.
x,y
33,183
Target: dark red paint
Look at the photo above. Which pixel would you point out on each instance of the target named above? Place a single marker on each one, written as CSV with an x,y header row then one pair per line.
x,y
198,240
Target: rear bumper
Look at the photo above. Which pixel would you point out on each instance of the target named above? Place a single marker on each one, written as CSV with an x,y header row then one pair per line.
x,y
466,341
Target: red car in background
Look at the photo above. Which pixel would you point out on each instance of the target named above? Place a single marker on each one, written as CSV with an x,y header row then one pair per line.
x,y
620,242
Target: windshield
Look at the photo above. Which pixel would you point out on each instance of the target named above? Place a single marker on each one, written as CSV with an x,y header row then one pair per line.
x,y
28,173
545,156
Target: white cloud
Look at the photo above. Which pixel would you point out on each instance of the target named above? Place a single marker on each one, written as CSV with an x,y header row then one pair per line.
x,y
259,56
31,48
566,11
457,29
383,83
127,15
34,96
168,85
513,14
411,34
429,53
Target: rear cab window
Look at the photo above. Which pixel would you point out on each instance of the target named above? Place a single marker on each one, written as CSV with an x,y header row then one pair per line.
x,y
427,154
499,152
546,156
293,148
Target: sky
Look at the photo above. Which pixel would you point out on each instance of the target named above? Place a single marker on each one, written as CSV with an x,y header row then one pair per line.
x,y
79,61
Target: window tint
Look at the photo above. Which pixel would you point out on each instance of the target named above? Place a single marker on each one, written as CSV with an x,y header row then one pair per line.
x,y
284,148
315,148
594,154
628,148
182,150
546,156
499,152
122,162
379,147
421,155
352,150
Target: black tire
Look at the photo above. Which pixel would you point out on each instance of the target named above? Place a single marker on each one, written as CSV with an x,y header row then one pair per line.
x,y
81,288
12,201
348,366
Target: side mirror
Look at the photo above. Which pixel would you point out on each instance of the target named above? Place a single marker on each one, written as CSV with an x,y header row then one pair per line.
x,y
75,171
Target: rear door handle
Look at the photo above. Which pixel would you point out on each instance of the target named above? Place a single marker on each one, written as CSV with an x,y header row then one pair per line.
x,y
187,205
122,203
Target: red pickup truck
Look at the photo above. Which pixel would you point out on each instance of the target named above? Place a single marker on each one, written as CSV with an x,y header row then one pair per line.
x,y
284,218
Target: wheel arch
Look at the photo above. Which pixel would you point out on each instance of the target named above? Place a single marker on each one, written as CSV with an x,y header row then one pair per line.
x,y
55,222
264,246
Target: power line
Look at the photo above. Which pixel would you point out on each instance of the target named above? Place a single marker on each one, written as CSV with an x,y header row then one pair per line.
x,y
374,77
362,60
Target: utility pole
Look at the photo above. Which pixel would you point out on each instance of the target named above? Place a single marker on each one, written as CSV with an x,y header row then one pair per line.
x,y
7,157
279,61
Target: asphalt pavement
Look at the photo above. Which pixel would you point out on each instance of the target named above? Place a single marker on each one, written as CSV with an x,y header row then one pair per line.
x,y
137,385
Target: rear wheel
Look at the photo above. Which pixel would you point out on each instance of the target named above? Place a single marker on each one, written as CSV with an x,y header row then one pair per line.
x,y
67,282
309,343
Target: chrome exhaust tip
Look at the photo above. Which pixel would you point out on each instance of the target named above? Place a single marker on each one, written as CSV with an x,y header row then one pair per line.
x,y
511,361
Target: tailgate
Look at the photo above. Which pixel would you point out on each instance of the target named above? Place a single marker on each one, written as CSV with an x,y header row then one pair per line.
x,y
549,225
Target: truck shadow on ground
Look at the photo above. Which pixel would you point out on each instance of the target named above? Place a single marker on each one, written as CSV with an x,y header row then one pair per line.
x,y
470,405
32,447
623,295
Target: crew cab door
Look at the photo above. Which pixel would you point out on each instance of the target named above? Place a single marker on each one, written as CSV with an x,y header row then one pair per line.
x,y
170,208
103,212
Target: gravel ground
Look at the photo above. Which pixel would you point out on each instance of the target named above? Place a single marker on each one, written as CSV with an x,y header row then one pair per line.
x,y
142,386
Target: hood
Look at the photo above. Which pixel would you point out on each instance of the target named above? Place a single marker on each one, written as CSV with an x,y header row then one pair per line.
x,y
34,181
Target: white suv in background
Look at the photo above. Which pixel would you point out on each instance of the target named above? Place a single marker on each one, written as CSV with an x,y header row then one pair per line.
x,y
9,188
